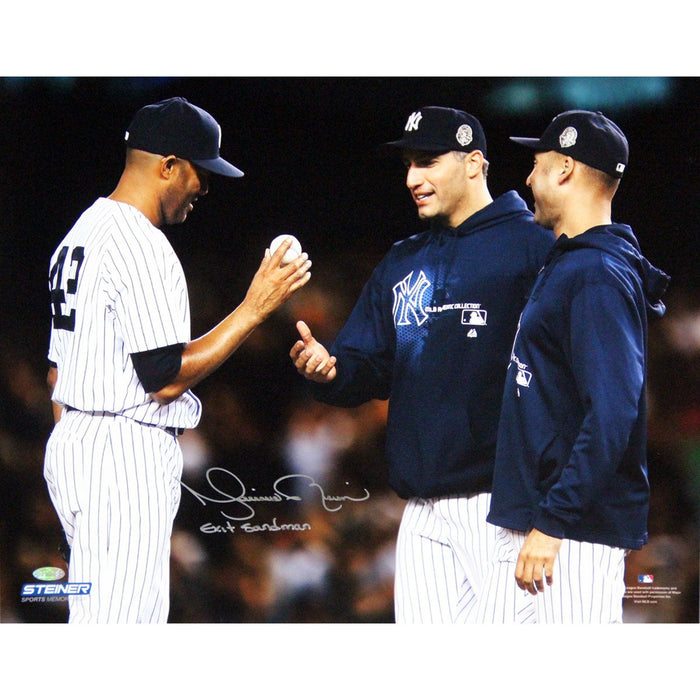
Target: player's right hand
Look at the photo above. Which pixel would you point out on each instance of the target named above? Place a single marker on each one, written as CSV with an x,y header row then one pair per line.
x,y
311,358
273,283
535,565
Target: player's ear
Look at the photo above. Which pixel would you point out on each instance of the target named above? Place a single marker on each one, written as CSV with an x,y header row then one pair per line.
x,y
167,166
566,169
475,163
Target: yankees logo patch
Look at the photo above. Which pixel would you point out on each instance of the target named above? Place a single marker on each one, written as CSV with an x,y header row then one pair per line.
x,y
408,300
413,121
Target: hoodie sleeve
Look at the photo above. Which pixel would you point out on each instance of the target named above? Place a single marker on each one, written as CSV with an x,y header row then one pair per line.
x,y
607,342
365,351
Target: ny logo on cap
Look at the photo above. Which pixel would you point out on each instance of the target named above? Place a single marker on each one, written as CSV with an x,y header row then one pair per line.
x,y
412,123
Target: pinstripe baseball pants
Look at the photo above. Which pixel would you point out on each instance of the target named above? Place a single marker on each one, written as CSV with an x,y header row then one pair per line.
x,y
443,549
588,585
115,485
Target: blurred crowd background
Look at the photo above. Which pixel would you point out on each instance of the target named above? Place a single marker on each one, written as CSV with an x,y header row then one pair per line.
x,y
323,550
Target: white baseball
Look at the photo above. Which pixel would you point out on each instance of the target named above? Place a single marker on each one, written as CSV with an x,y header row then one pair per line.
x,y
292,253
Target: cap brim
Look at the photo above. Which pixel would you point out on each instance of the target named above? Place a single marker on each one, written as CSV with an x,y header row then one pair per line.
x,y
219,166
529,142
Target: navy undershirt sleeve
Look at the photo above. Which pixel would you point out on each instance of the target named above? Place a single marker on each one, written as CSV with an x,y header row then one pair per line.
x,y
157,368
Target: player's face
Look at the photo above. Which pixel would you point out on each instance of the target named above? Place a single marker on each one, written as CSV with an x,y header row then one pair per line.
x,y
187,183
438,184
542,181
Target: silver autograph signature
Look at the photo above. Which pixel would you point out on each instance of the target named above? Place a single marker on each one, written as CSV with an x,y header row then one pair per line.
x,y
228,488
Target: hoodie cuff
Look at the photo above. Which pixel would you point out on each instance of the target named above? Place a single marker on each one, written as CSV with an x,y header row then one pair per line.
x,y
550,525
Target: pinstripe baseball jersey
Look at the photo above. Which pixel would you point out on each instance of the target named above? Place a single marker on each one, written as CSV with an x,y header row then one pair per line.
x,y
117,287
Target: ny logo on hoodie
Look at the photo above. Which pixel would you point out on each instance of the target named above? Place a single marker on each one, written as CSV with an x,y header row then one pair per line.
x,y
408,300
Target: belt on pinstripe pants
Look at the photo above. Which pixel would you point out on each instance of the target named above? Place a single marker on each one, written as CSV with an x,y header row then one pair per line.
x,y
175,432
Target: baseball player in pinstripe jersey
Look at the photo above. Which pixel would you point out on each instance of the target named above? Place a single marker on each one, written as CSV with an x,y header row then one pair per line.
x,y
432,332
123,363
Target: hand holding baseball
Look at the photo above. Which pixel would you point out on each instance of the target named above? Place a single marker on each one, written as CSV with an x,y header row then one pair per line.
x,y
311,358
291,253
274,283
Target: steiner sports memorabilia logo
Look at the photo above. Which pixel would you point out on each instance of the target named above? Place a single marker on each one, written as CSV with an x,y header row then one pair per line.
x,y
55,589
464,135
51,591
568,137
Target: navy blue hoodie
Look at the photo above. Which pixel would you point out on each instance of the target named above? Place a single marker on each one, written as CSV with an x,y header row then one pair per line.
x,y
432,332
571,457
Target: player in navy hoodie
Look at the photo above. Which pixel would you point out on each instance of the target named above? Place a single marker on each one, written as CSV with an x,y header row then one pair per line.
x,y
570,488
432,332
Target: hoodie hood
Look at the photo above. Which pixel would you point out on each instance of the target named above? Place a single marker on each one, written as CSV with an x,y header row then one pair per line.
x,y
619,241
509,205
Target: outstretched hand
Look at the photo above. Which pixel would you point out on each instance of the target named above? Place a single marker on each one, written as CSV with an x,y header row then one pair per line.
x,y
311,358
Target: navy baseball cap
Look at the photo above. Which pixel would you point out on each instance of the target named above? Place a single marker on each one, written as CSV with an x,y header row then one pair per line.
x,y
178,128
441,129
589,137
